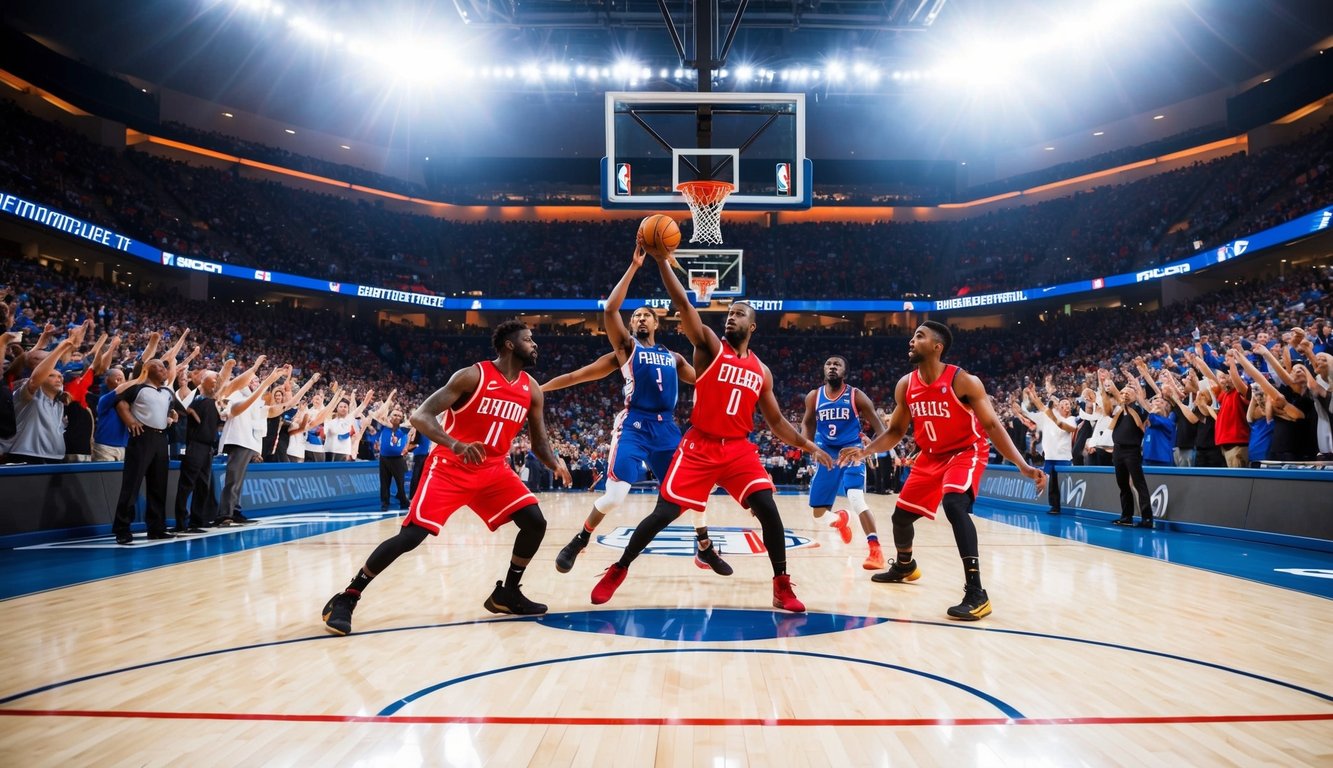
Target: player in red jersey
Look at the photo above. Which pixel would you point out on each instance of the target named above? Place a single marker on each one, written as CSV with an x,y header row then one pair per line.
x,y
483,408
716,451
949,410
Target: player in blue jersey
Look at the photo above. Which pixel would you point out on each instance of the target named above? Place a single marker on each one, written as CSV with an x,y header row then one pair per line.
x,y
833,415
645,431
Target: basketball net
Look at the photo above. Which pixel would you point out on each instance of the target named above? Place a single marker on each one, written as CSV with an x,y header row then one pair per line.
x,y
706,199
703,284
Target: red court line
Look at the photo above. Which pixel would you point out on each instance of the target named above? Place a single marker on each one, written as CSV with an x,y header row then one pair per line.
x,y
701,721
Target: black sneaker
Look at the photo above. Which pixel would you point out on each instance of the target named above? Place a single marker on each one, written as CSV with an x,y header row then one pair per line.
x,y
709,558
1124,522
565,560
975,605
338,613
898,572
505,600
1144,524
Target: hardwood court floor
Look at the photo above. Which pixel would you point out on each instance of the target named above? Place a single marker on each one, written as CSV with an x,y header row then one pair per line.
x,y
1092,657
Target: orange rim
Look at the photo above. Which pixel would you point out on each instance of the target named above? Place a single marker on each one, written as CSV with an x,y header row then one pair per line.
x,y
705,189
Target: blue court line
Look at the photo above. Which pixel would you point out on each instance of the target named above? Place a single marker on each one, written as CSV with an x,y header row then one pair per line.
x,y
1008,710
237,649
951,625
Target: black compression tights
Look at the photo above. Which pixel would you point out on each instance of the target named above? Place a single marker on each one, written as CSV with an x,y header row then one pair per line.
x,y
958,509
531,531
761,503
775,538
408,538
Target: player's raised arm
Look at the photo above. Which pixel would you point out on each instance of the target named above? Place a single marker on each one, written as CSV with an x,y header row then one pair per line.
x,y
616,332
598,369
970,390
541,444
426,418
691,324
782,429
899,421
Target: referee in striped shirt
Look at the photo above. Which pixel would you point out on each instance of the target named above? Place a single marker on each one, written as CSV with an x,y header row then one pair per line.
x,y
146,409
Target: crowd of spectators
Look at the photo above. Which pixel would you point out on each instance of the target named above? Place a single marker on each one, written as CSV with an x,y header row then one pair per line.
x,y
223,215
1068,355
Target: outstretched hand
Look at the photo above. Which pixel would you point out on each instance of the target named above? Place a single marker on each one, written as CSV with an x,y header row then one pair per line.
x,y
1037,476
562,472
849,456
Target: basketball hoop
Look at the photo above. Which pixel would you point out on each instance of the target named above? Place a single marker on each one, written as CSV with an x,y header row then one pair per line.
x,y
706,199
703,284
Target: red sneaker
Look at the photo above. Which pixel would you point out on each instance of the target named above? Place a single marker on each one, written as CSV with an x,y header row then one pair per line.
x,y
610,581
784,597
875,560
843,525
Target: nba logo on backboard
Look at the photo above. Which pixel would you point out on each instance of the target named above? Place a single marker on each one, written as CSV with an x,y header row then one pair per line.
x,y
622,179
784,178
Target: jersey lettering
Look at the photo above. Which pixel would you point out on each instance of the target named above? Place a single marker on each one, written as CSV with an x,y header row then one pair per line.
x,y
836,422
648,366
940,423
495,413
741,377
726,394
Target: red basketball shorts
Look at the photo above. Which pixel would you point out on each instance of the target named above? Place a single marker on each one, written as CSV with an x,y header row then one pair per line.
x,y
702,462
934,475
490,489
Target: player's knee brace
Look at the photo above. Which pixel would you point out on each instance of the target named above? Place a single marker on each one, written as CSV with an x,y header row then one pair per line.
x,y
531,530
903,531
957,506
763,506
616,491
856,499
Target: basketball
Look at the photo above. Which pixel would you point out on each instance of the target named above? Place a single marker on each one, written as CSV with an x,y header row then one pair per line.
x,y
660,235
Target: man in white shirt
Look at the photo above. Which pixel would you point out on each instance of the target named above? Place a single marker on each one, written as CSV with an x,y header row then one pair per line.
x,y
1057,439
338,431
338,435
243,436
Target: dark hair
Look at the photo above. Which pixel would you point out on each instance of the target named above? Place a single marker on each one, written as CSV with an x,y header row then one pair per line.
x,y
942,332
504,330
845,364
